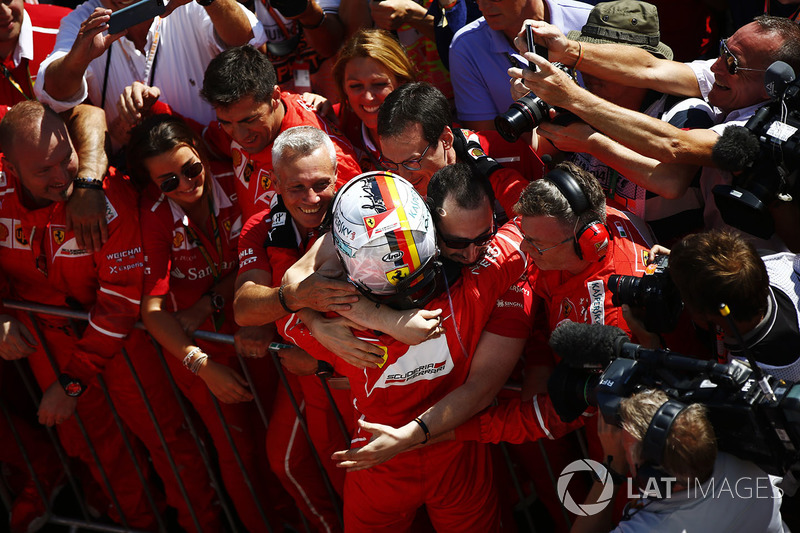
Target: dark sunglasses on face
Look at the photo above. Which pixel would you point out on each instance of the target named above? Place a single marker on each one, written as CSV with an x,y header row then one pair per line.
x,y
731,61
189,172
460,244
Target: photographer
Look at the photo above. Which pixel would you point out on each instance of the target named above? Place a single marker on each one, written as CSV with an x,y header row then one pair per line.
x,y
713,268
670,450
734,84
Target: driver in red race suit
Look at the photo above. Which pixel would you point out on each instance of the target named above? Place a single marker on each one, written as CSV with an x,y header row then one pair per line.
x,y
385,239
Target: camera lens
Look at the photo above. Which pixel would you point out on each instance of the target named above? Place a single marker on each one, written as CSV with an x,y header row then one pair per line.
x,y
523,115
624,290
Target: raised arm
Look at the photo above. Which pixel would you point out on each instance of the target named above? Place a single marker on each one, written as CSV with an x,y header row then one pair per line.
x,y
230,22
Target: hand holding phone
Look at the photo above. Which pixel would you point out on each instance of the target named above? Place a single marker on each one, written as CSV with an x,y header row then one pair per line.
x,y
135,14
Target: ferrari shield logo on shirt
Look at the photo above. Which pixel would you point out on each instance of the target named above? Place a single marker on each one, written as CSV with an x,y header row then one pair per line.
x,y
398,274
567,307
265,179
58,236
177,240
426,361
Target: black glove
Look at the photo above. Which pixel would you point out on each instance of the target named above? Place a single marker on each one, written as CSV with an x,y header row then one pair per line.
x,y
470,152
290,8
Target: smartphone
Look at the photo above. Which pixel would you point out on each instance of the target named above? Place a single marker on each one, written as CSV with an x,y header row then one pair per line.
x,y
135,14
532,46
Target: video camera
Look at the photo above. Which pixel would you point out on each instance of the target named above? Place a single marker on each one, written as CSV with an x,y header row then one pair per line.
x,y
764,156
600,367
654,293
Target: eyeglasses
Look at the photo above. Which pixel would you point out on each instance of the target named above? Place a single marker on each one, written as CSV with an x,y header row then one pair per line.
x,y
518,223
190,172
459,244
408,164
732,61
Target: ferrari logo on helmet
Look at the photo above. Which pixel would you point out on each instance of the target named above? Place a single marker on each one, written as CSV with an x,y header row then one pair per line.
x,y
398,274
370,222
58,236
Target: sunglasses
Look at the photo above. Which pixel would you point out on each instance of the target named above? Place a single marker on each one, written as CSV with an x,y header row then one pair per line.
x,y
460,244
518,224
190,172
732,61
409,164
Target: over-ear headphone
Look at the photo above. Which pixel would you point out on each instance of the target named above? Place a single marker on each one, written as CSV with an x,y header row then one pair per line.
x,y
592,239
653,446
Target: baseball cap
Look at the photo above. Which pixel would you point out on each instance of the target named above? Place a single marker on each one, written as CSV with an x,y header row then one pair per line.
x,y
625,22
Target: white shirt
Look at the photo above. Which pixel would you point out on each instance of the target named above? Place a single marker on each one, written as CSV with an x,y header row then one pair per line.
x,y
187,43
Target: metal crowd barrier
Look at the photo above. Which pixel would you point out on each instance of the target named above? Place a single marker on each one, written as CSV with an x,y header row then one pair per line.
x,y
87,521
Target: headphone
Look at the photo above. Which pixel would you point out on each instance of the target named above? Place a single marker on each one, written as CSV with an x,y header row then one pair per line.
x,y
654,444
592,239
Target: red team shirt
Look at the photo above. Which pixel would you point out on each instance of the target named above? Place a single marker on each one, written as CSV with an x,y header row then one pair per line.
x,y
107,284
414,378
254,175
175,265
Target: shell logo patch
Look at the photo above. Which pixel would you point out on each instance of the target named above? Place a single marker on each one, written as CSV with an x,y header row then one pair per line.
x,y
58,236
397,275
177,240
237,158
3,232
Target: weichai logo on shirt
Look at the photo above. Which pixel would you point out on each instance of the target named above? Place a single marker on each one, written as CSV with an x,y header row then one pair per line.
x,y
429,369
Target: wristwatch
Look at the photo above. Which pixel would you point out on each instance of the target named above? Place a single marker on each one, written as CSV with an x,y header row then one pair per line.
x,y
73,387
217,301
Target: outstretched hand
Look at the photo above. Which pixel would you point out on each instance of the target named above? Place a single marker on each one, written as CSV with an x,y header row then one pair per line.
x,y
386,442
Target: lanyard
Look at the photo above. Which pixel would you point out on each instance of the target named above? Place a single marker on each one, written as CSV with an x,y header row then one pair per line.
x,y
215,269
14,82
149,67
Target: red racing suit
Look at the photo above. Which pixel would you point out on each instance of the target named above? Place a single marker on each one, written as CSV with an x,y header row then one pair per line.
x,y
453,479
270,242
43,264
176,267
254,180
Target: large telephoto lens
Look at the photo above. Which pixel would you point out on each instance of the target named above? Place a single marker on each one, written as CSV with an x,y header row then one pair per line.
x,y
523,115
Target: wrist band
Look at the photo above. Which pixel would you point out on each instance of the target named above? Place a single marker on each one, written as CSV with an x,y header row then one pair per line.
x,y
88,183
315,26
580,56
187,361
283,301
424,429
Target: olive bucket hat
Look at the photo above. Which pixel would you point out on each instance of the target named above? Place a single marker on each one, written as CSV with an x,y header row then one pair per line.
x,y
624,22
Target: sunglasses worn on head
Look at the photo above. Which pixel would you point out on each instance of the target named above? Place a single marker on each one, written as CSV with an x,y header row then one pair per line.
x,y
408,164
189,172
731,61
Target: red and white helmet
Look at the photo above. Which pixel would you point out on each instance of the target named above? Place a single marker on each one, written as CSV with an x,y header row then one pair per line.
x,y
385,238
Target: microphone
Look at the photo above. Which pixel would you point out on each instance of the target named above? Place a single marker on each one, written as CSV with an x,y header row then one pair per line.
x,y
777,77
590,346
736,149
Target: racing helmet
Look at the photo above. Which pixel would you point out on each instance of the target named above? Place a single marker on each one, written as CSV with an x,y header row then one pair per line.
x,y
385,240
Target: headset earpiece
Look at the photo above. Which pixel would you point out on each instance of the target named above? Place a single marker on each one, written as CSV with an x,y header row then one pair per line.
x,y
592,239
650,474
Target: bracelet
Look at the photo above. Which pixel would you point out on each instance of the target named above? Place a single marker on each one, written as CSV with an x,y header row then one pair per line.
x,y
88,183
198,363
187,361
283,301
315,26
451,5
580,56
419,421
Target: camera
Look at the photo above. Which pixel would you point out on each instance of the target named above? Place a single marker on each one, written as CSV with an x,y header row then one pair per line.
x,y
526,114
601,366
653,293
764,156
